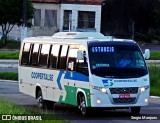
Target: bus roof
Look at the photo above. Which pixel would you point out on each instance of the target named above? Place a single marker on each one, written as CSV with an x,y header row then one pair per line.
x,y
74,38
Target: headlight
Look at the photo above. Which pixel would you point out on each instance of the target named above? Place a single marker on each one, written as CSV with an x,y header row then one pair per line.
x,y
144,88
102,89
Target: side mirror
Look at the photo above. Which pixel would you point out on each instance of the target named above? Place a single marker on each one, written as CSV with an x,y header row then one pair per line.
x,y
147,54
80,55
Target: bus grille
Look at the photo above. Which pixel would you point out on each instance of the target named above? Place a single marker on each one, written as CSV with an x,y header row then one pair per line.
x,y
131,90
124,100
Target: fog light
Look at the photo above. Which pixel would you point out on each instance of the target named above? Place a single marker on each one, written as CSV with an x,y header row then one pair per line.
x,y
98,101
146,100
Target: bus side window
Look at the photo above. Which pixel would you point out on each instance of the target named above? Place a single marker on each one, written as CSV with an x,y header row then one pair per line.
x,y
54,56
72,58
25,54
63,57
43,58
34,55
82,65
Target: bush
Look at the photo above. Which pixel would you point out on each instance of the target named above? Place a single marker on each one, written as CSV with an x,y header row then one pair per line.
x,y
10,44
147,37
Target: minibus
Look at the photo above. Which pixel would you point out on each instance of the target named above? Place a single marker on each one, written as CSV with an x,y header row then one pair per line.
x,y
84,69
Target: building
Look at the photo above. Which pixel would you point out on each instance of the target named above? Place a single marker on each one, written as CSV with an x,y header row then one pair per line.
x,y
62,15
66,15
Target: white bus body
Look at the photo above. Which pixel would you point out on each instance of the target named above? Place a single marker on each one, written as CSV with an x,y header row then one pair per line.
x,y
81,69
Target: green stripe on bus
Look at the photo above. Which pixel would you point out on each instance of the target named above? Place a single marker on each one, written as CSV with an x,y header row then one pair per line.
x,y
71,97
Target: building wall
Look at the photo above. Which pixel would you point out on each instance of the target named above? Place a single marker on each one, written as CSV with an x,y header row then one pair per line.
x,y
42,30
79,7
15,33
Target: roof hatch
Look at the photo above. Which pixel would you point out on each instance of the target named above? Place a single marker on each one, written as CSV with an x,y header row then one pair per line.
x,y
79,35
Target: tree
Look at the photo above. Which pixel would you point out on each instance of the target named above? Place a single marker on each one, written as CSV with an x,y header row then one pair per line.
x,y
12,13
123,17
155,16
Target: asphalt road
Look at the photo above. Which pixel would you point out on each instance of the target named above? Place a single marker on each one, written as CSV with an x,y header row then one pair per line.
x,y
9,91
155,48
9,70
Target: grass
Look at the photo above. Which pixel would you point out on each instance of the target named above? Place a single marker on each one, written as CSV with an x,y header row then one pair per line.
x,y
9,55
8,108
155,79
9,76
155,56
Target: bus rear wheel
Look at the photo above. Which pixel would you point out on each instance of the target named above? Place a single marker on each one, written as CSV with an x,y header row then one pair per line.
x,y
135,110
40,101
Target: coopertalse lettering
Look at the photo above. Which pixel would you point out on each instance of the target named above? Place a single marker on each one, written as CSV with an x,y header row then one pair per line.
x,y
42,76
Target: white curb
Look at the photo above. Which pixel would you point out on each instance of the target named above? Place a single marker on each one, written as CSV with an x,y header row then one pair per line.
x,y
1,80
156,97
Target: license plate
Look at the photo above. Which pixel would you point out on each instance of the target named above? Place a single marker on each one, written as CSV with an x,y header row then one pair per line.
x,y
124,96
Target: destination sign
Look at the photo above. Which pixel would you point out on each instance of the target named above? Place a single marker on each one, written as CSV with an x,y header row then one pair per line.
x,y
102,49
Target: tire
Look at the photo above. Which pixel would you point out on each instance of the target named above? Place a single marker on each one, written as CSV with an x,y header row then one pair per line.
x,y
82,105
40,101
135,110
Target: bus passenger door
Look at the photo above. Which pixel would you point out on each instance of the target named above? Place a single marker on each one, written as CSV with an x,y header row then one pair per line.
x,y
71,87
71,74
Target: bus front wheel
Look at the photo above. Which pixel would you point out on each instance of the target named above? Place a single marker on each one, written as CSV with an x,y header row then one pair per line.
x,y
82,105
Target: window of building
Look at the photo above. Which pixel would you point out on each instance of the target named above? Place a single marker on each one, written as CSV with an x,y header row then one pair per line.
x,y
25,54
34,55
54,56
63,57
67,19
43,59
37,17
86,19
72,57
50,18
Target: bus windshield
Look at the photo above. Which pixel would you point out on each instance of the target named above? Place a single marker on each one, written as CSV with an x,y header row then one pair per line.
x,y
116,60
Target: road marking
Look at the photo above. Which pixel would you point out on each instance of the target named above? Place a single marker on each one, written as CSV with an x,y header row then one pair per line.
x,y
11,81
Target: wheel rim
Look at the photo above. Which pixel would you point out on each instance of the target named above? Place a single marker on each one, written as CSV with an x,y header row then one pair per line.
x,y
83,105
40,100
